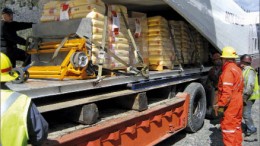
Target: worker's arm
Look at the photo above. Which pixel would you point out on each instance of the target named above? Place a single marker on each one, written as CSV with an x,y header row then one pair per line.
x,y
210,79
37,126
13,38
249,85
21,25
225,88
9,32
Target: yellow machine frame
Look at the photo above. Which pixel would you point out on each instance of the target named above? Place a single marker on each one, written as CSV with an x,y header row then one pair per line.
x,y
66,68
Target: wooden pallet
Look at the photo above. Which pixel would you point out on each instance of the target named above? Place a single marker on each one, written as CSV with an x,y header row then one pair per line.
x,y
111,73
159,67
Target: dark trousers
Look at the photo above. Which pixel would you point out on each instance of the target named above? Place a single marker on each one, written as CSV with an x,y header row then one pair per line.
x,y
250,127
18,54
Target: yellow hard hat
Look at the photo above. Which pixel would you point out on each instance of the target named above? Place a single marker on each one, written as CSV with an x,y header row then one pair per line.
x,y
6,69
229,52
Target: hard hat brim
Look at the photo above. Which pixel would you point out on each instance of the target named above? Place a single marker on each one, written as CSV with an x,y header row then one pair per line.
x,y
8,77
229,56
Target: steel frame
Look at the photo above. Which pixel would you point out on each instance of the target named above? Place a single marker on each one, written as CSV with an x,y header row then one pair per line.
x,y
139,128
85,99
37,88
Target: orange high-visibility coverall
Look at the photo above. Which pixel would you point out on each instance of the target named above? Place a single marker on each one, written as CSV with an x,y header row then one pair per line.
x,y
230,89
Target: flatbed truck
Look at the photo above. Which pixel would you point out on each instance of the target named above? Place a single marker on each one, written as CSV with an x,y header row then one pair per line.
x,y
153,107
133,110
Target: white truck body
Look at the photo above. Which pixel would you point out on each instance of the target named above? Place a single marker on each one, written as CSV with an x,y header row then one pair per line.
x,y
222,23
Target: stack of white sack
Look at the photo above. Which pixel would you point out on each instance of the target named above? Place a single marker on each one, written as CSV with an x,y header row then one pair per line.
x,y
182,40
51,11
161,51
192,47
118,40
176,32
201,54
139,28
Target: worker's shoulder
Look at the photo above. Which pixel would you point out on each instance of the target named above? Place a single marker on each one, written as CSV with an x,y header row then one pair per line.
x,y
9,92
6,91
9,24
252,71
232,67
249,67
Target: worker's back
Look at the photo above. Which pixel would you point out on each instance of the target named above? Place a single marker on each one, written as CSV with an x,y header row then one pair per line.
x,y
14,109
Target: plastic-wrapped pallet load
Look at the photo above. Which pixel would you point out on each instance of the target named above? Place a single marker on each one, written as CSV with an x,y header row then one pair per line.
x,y
139,28
94,9
205,51
161,53
198,44
76,9
182,40
58,10
117,37
202,47
74,3
186,46
189,42
175,27
51,11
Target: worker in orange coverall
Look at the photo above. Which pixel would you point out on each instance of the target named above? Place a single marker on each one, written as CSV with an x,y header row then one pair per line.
x,y
229,98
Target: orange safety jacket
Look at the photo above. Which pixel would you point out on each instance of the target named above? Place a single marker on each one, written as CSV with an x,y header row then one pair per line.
x,y
230,86
230,90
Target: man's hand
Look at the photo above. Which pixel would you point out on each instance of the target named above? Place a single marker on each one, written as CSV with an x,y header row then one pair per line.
x,y
244,101
245,98
216,107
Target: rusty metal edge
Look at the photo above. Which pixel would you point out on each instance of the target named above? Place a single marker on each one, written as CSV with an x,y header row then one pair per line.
x,y
110,126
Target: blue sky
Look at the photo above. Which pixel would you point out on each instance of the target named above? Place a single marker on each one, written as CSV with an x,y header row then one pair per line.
x,y
252,5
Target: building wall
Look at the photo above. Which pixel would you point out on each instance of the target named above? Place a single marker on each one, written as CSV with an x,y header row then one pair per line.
x,y
25,10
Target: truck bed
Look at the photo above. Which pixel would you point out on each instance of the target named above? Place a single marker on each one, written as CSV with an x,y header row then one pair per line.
x,y
39,88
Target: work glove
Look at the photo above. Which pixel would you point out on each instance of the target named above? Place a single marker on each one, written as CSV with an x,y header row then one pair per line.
x,y
216,107
245,98
244,101
219,111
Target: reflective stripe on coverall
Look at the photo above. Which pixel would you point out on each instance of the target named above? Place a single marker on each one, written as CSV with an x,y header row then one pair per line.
x,y
14,110
230,90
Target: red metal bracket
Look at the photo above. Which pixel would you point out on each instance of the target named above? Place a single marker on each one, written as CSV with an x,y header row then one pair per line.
x,y
139,128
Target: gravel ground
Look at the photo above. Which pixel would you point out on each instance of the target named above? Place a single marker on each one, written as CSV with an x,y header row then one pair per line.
x,y
210,135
